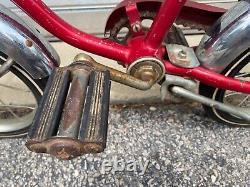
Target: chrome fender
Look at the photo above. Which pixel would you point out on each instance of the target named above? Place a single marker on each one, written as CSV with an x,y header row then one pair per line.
x,y
228,38
25,45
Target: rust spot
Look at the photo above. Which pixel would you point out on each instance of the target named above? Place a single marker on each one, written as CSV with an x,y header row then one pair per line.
x,y
73,105
63,154
62,148
29,43
92,148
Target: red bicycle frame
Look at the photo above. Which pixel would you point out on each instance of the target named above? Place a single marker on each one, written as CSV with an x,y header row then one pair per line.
x,y
149,45
104,47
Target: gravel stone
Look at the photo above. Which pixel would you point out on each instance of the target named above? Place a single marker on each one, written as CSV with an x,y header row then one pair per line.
x,y
152,108
177,144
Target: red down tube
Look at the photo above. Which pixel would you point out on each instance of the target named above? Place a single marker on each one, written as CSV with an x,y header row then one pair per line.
x,y
163,22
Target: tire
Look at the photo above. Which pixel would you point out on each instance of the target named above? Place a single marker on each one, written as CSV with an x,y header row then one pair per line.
x,y
237,70
36,88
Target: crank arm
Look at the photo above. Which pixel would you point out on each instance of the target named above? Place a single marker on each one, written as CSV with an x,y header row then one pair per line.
x,y
237,111
115,75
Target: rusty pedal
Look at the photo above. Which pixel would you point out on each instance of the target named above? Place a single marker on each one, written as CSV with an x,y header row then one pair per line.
x,y
72,118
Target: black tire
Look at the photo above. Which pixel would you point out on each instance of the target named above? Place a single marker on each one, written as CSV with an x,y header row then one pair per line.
x,y
36,87
232,70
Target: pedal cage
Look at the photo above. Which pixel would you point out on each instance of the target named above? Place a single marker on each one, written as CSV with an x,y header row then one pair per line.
x,y
72,118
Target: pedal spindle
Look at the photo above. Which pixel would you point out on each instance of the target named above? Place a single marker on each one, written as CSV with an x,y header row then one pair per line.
x,y
72,118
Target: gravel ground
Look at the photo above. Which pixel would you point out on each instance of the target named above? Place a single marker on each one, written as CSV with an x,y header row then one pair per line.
x,y
171,145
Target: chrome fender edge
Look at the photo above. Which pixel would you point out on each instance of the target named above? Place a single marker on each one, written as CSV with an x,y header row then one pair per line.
x,y
25,45
227,39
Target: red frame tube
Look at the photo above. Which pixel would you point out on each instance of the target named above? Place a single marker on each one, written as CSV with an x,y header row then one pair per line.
x,y
210,78
169,11
139,47
104,47
45,17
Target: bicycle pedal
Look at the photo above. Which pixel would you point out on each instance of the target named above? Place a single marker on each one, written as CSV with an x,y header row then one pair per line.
x,y
72,118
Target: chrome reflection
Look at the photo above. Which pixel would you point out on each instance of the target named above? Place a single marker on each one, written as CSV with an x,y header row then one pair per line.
x,y
228,38
25,45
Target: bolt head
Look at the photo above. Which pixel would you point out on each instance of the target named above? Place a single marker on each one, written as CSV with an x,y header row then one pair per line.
x,y
182,54
146,73
136,27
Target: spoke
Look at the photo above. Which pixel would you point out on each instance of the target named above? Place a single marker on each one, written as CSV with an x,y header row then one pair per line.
x,y
9,109
232,93
6,66
19,106
242,75
4,69
244,100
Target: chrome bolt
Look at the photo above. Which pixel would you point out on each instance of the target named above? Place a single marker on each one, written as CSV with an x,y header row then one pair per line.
x,y
182,54
83,57
136,27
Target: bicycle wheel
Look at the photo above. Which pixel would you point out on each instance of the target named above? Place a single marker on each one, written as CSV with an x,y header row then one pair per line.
x,y
19,98
239,69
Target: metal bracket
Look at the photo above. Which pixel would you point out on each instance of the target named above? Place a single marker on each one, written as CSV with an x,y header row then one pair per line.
x,y
173,80
182,56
